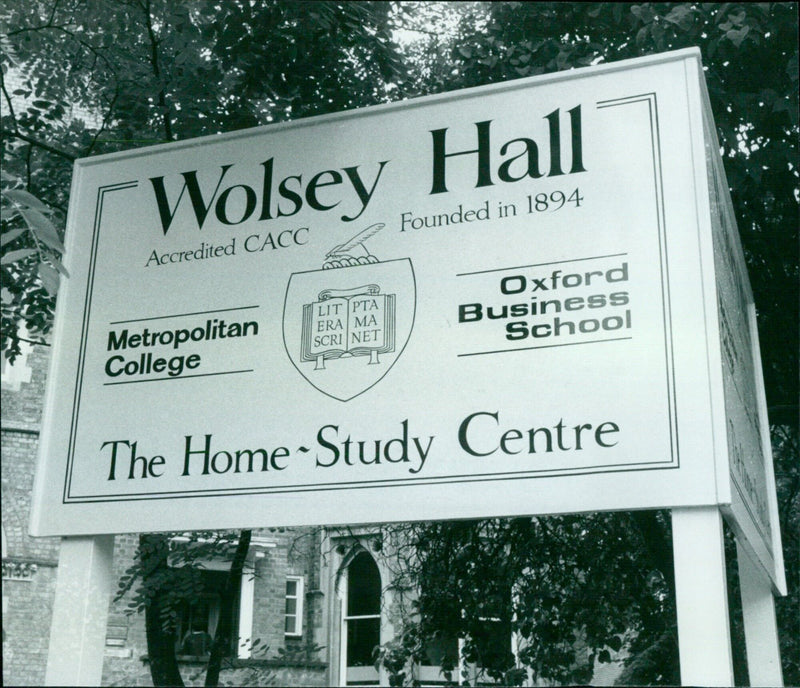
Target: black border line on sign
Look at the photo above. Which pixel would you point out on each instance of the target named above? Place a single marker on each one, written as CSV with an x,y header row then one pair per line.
x,y
178,377
87,307
182,315
539,265
666,306
388,482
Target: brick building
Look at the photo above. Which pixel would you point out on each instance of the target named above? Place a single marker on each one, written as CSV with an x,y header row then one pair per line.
x,y
29,564
310,609
311,606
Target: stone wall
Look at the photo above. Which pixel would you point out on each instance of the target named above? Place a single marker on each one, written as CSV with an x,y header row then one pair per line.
x,y
29,564
30,569
276,659
27,610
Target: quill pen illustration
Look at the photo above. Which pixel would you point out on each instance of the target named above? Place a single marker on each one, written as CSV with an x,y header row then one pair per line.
x,y
359,238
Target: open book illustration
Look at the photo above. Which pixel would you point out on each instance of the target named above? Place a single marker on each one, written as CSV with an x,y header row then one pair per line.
x,y
348,322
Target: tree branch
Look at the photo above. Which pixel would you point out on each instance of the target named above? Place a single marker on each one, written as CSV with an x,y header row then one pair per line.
x,y
63,29
53,12
28,154
8,99
162,98
222,639
40,144
28,341
164,670
106,120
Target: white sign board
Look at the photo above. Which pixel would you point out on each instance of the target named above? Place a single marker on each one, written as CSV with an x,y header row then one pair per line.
x,y
497,301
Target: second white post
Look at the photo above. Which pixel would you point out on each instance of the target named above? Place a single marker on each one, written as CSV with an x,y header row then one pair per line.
x,y
701,593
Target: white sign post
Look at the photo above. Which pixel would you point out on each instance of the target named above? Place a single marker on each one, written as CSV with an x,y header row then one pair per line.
x,y
84,586
527,298
760,626
704,639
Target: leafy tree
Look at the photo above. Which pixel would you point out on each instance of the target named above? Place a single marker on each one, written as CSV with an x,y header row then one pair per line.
x,y
583,584
30,263
164,578
82,77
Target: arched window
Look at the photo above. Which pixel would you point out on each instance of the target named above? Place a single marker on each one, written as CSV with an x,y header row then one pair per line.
x,y
361,620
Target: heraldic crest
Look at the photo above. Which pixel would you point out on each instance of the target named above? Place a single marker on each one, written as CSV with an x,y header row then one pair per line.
x,y
344,326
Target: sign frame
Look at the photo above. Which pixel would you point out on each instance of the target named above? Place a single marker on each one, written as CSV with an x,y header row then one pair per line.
x,y
699,554
726,494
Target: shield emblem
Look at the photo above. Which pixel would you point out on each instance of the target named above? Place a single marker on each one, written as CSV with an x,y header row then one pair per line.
x,y
345,327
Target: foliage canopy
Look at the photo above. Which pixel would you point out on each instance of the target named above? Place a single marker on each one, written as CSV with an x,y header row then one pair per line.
x,y
82,77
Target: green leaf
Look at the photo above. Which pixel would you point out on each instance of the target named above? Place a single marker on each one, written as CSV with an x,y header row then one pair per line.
x,y
8,237
14,256
737,36
22,197
49,278
44,230
58,265
792,69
